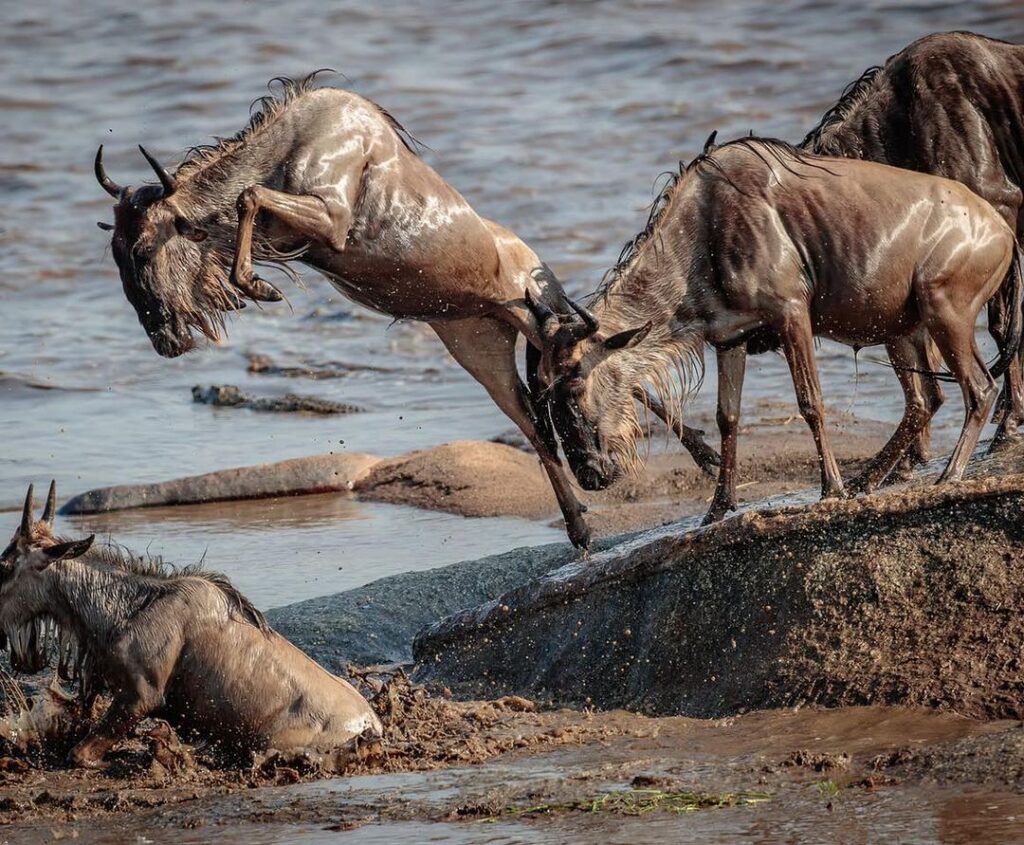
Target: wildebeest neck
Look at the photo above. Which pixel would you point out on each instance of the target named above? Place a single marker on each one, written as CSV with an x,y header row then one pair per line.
x,y
94,600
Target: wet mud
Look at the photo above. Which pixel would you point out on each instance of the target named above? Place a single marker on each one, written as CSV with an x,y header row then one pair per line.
x,y
456,771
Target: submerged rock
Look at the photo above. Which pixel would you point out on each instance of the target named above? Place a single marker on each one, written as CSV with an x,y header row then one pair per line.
x,y
298,476
230,396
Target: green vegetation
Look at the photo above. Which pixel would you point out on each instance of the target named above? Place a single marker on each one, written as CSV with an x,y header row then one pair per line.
x,y
637,802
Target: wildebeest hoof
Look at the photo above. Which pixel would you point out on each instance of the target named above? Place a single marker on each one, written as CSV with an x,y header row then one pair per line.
x,y
860,485
579,534
717,512
1003,440
255,288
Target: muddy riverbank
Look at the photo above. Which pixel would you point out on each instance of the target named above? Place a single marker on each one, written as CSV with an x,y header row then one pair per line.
x,y
509,774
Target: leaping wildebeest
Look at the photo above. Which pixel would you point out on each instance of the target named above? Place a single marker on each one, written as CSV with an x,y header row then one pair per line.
x,y
950,104
755,246
327,177
183,645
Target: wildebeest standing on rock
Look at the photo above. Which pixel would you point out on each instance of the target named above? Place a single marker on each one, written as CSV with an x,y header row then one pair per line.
x,y
183,645
329,178
950,104
755,246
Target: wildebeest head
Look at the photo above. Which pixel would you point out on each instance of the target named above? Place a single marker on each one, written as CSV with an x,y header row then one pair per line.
x,y
26,591
590,393
173,252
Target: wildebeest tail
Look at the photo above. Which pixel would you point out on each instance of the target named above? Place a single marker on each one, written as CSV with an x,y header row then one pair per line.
x,y
1014,294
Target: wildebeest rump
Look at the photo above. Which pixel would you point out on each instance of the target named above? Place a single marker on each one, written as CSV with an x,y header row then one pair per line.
x,y
950,104
183,645
754,246
328,178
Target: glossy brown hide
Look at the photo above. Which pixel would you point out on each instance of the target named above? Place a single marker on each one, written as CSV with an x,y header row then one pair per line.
x,y
950,104
184,646
757,247
327,177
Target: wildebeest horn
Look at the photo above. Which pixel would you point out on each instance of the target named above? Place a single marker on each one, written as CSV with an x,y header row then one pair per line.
x,y
26,514
51,504
105,181
539,309
589,320
165,178
106,227
709,144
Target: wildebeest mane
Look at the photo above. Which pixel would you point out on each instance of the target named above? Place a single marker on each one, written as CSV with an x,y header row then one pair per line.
x,y
765,148
265,110
154,566
848,101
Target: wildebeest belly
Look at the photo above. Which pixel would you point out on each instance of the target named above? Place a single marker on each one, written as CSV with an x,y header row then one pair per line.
x,y
410,287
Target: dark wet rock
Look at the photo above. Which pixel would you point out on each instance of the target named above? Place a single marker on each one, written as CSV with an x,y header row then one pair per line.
x,y
376,623
298,476
516,439
912,597
230,396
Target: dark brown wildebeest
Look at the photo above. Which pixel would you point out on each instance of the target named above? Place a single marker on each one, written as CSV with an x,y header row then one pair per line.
x,y
950,104
182,645
328,178
755,246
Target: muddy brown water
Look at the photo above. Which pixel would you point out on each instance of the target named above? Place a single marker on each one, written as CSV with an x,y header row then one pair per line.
x,y
747,754
554,119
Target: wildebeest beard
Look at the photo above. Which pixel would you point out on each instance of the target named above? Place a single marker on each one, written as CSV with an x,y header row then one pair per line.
x,y
178,286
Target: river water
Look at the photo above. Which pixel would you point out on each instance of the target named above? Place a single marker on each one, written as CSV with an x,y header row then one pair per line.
x,y
553,119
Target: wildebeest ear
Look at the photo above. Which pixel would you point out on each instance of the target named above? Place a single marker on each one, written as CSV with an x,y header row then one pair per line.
x,y
67,551
187,230
629,338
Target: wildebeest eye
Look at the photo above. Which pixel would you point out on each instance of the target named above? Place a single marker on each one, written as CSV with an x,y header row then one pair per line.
x,y
187,230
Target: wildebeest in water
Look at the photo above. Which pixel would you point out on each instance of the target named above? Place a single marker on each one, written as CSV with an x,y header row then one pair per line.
x,y
755,246
950,104
327,177
183,645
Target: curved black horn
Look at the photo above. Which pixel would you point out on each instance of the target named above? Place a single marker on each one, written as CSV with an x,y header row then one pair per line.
x,y
539,309
108,184
709,144
26,514
165,178
589,320
50,511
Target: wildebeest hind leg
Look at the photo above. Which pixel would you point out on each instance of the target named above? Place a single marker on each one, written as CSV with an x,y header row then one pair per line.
x,y
706,458
486,348
732,365
955,339
798,344
922,397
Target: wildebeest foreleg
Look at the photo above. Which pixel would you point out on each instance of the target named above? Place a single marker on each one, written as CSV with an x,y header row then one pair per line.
x,y
486,348
732,365
304,218
703,455
798,345
922,396
125,712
